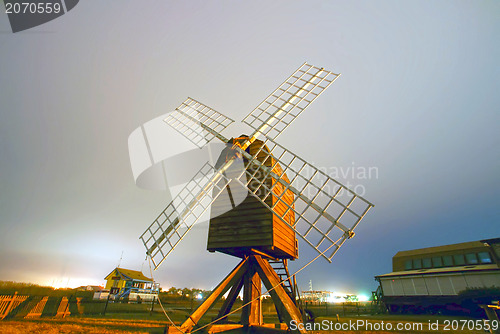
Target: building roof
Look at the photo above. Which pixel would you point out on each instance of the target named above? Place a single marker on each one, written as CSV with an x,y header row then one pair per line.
x,y
128,274
438,249
90,288
419,272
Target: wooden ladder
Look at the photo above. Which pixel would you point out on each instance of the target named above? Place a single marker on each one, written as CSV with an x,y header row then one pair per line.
x,y
281,269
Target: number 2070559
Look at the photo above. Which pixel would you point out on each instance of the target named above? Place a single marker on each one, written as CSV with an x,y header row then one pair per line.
x,y
479,324
32,8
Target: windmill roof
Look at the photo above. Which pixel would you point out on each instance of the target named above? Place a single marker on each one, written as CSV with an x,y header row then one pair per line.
x,y
129,274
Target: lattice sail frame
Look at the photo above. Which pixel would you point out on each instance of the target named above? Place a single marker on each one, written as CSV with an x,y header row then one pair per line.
x,y
170,227
326,211
339,210
288,101
192,119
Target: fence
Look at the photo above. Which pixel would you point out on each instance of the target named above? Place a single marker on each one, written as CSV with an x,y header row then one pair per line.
x,y
342,309
30,307
8,303
36,306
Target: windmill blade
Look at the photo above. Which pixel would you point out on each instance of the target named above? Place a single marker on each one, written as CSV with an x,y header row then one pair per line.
x,y
198,122
288,101
326,211
171,226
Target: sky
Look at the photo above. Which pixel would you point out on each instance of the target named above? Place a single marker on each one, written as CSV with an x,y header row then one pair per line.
x,y
417,101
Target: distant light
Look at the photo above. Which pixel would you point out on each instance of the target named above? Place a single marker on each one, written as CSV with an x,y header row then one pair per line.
x,y
363,298
67,282
199,296
336,297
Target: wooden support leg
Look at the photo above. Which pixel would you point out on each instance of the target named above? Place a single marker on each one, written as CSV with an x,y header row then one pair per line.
x,y
218,292
229,302
280,310
280,297
251,314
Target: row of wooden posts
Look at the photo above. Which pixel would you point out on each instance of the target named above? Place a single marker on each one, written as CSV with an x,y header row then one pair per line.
x,y
34,308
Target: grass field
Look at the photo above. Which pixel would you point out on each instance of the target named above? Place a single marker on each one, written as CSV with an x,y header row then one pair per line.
x,y
97,316
127,323
81,325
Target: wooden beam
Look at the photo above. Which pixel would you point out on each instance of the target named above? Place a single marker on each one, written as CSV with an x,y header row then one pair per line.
x,y
226,328
215,295
261,253
229,302
251,314
280,297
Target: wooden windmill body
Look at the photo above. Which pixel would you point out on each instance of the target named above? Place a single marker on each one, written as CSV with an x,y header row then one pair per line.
x,y
250,228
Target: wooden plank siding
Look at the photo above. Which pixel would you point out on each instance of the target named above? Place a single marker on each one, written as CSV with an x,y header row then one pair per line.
x,y
235,230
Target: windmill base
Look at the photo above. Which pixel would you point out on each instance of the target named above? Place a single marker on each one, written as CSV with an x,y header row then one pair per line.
x,y
247,275
241,329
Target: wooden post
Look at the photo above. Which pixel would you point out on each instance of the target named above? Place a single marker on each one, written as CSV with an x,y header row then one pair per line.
x,y
152,306
250,314
9,307
106,305
79,305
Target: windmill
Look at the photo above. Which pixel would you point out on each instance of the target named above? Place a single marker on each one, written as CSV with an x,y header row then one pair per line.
x,y
262,196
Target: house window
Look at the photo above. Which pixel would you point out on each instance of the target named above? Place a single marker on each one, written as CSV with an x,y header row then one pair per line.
x,y
408,265
417,264
447,261
471,258
437,262
114,291
484,257
459,259
426,263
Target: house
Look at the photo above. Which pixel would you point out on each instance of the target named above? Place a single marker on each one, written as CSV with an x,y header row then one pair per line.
x,y
442,278
131,284
93,288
